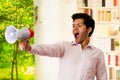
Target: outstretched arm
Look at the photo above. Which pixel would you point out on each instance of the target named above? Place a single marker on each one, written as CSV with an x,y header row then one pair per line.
x,y
52,50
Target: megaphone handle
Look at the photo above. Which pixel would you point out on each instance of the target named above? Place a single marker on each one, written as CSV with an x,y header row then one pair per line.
x,y
22,49
23,45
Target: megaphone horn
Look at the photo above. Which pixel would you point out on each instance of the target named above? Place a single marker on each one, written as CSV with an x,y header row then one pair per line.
x,y
12,34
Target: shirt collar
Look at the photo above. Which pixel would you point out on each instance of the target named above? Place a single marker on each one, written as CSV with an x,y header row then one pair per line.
x,y
89,45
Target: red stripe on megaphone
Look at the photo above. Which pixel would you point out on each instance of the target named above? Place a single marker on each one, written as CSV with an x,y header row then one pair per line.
x,y
31,33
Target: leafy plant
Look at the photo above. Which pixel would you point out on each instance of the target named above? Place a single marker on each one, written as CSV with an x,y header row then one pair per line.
x,y
18,13
116,43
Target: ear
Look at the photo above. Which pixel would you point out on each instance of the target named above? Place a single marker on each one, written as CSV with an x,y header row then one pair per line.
x,y
89,29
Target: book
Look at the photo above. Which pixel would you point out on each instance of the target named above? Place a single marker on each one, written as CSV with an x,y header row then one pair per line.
x,y
118,75
103,3
86,10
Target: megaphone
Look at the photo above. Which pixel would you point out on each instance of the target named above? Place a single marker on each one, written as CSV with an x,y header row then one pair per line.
x,y
12,34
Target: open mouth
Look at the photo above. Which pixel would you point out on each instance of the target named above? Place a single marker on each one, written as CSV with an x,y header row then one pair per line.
x,y
76,34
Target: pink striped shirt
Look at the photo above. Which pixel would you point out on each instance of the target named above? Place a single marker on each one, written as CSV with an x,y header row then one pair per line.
x,y
75,63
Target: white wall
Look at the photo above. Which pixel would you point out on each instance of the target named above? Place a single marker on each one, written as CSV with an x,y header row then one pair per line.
x,y
56,25
67,8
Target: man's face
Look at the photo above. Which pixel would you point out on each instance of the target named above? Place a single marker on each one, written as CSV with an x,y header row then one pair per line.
x,y
79,30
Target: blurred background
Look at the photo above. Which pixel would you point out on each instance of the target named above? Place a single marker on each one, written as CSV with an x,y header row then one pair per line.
x,y
51,22
14,63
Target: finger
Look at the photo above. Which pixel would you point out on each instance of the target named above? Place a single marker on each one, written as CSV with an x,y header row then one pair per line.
x,y
22,44
27,40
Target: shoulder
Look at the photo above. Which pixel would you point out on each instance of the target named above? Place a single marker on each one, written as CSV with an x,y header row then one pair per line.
x,y
97,50
64,43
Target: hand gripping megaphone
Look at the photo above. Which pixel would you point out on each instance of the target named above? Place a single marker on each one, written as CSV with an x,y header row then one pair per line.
x,y
12,34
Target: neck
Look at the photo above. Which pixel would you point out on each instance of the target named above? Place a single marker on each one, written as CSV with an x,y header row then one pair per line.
x,y
85,42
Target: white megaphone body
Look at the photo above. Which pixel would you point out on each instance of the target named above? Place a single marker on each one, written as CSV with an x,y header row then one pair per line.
x,y
12,34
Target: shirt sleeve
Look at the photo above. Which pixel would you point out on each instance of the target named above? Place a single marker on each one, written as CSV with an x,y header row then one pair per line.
x,y
101,68
52,50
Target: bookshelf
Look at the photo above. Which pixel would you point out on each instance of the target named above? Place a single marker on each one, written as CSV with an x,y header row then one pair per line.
x,y
106,14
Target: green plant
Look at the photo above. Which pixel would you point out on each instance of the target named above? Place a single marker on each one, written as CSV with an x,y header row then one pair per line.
x,y
119,28
18,13
116,43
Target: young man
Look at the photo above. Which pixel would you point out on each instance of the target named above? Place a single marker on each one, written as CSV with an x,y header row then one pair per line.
x,y
79,60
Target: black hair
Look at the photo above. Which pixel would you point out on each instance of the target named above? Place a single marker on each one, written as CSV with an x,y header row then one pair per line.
x,y
88,21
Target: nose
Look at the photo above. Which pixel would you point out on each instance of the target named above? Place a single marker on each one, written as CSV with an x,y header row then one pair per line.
x,y
75,28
